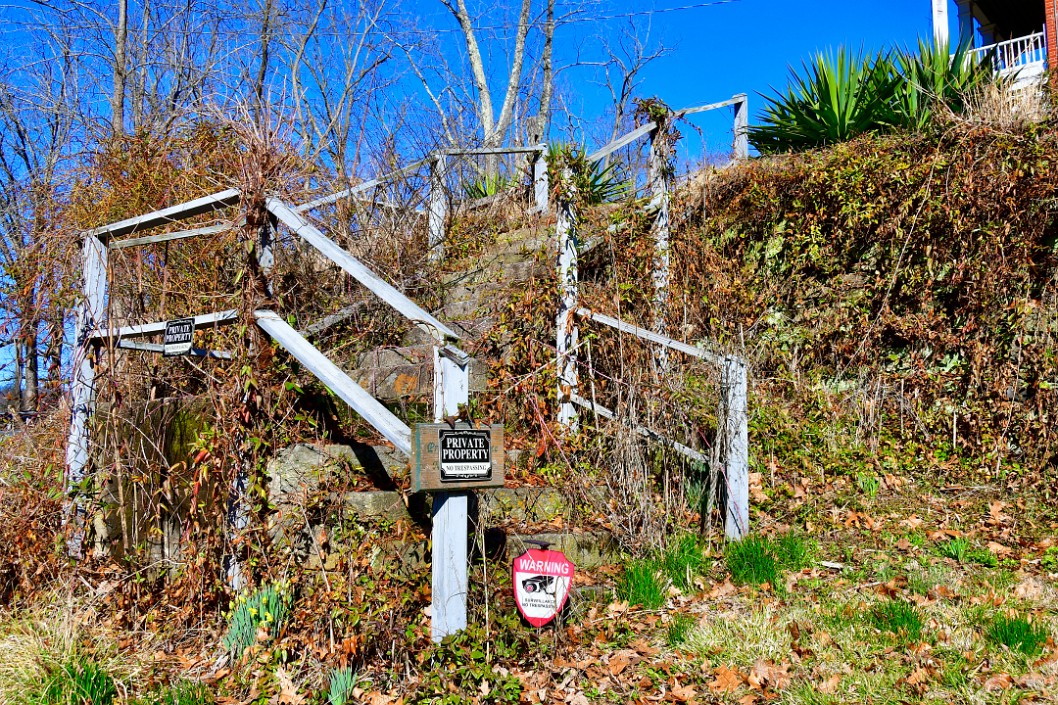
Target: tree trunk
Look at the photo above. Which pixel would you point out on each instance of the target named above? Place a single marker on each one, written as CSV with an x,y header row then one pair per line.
x,y
117,97
28,402
262,69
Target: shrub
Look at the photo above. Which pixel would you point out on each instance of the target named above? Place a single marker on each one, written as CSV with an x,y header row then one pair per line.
x,y
642,585
1018,634
841,95
266,608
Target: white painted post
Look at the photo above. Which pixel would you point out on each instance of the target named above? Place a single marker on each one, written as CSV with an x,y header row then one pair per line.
x,y
566,324
660,174
940,22
540,185
438,208
450,526
741,127
91,314
736,449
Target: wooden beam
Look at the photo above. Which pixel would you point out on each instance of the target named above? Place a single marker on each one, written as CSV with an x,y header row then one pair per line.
x,y
622,141
711,106
172,214
166,237
372,411
158,348
360,188
641,430
206,320
356,269
645,334
492,150
736,449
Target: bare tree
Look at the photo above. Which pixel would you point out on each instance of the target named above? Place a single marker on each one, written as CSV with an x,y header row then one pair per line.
x,y
626,59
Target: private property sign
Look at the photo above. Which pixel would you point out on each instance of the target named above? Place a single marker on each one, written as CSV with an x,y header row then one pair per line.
x,y
541,584
456,457
179,334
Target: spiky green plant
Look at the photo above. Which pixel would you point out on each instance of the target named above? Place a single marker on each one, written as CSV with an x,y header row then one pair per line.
x,y
488,185
841,95
594,183
266,608
934,76
341,684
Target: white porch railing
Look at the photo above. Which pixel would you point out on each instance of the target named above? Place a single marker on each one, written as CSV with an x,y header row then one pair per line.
x,y
1028,54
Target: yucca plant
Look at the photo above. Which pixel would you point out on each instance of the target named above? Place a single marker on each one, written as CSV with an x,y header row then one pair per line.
x,y
488,185
840,95
593,182
935,76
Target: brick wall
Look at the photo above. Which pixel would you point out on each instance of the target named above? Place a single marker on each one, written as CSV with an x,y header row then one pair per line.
x,y
1051,13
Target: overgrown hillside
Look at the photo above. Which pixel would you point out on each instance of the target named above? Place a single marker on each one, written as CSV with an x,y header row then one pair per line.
x,y
896,299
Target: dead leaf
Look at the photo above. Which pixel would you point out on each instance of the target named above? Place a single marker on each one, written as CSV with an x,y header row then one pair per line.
x,y
1028,589
725,681
766,674
683,693
830,685
1000,681
620,660
288,692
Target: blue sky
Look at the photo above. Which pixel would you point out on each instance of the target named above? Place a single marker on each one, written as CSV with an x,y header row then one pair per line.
x,y
747,46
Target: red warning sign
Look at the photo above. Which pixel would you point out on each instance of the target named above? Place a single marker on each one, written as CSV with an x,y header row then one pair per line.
x,y
541,584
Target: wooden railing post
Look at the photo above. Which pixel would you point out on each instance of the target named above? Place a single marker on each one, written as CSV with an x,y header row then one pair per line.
x,y
91,314
540,185
438,209
661,176
566,323
450,526
741,127
736,448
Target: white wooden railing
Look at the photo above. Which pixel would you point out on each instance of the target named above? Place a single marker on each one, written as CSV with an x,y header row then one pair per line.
x,y
1022,53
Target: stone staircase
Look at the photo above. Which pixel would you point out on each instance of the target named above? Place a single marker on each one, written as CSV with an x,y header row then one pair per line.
x,y
399,373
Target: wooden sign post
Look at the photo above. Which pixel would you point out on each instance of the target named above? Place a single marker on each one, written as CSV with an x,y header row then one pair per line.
x,y
457,456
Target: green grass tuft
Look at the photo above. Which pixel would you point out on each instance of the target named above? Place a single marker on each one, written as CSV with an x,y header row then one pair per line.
x,y
642,585
756,559
1018,634
679,629
683,561
958,549
898,617
79,681
752,562
186,693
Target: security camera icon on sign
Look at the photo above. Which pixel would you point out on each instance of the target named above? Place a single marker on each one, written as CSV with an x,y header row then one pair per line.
x,y
540,583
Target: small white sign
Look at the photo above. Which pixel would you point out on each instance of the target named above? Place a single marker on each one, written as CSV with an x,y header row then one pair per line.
x,y
179,334
465,454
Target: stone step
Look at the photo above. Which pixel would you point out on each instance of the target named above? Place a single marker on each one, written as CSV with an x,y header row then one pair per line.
x,y
297,471
587,550
392,374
